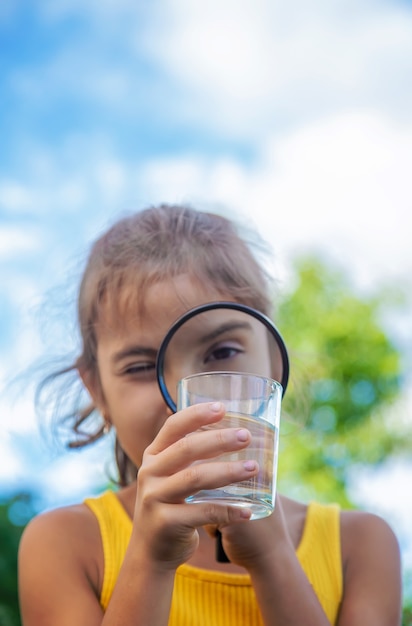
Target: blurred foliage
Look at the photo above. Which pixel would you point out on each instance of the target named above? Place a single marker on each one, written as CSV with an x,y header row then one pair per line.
x,y
341,410
14,514
346,376
407,600
407,612
407,615
407,604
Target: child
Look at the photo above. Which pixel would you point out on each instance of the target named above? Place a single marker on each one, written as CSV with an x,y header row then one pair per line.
x,y
142,555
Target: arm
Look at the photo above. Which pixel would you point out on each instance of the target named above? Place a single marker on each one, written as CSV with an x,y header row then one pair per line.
x,y
59,580
371,563
373,586
59,570
143,593
265,548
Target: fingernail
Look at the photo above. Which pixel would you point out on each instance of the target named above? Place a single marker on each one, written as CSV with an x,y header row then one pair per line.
x,y
216,406
250,466
242,435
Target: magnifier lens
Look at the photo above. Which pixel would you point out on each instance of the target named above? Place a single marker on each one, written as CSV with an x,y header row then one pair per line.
x,y
220,339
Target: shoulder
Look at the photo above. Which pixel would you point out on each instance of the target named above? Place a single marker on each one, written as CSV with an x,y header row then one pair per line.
x,y
68,535
367,537
371,563
362,532
357,528
75,523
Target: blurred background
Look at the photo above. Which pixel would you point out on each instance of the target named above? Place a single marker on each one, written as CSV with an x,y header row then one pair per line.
x,y
294,118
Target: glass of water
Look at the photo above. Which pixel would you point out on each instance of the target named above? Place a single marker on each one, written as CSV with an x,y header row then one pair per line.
x,y
251,402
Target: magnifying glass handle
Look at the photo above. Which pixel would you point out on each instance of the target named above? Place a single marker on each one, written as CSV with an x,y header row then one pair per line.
x,y
221,555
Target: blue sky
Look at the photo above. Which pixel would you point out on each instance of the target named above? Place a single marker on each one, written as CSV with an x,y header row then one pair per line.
x,y
297,117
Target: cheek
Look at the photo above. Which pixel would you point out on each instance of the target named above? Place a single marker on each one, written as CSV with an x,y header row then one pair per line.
x,y
137,418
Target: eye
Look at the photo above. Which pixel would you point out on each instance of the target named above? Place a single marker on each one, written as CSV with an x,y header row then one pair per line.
x,y
222,352
139,370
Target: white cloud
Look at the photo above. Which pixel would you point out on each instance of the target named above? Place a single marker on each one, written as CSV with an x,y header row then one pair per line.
x,y
76,474
248,67
10,465
62,180
15,241
241,69
14,196
17,404
341,184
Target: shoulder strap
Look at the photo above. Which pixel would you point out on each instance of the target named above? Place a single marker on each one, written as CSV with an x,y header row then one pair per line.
x,y
115,530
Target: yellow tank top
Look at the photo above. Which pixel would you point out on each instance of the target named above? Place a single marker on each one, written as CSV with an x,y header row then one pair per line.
x,y
208,598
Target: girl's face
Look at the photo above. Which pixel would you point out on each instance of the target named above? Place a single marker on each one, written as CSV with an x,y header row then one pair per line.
x,y
126,354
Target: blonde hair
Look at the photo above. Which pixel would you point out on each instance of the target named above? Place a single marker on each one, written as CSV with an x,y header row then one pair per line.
x,y
148,246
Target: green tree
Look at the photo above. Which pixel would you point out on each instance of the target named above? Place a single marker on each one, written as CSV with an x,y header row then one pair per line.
x,y
341,409
346,377
14,513
407,611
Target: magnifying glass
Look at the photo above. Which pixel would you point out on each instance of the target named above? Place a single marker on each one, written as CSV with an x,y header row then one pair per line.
x,y
220,336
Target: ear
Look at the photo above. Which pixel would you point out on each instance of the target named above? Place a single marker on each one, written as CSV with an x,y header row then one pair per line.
x,y
91,380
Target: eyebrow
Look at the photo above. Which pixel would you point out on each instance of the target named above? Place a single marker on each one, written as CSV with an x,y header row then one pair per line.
x,y
134,351
224,328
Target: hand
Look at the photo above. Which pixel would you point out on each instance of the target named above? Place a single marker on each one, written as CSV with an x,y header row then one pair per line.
x,y
254,544
164,524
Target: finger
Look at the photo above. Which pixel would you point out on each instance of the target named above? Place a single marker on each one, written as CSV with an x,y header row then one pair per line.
x,y
210,514
201,445
185,422
207,475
